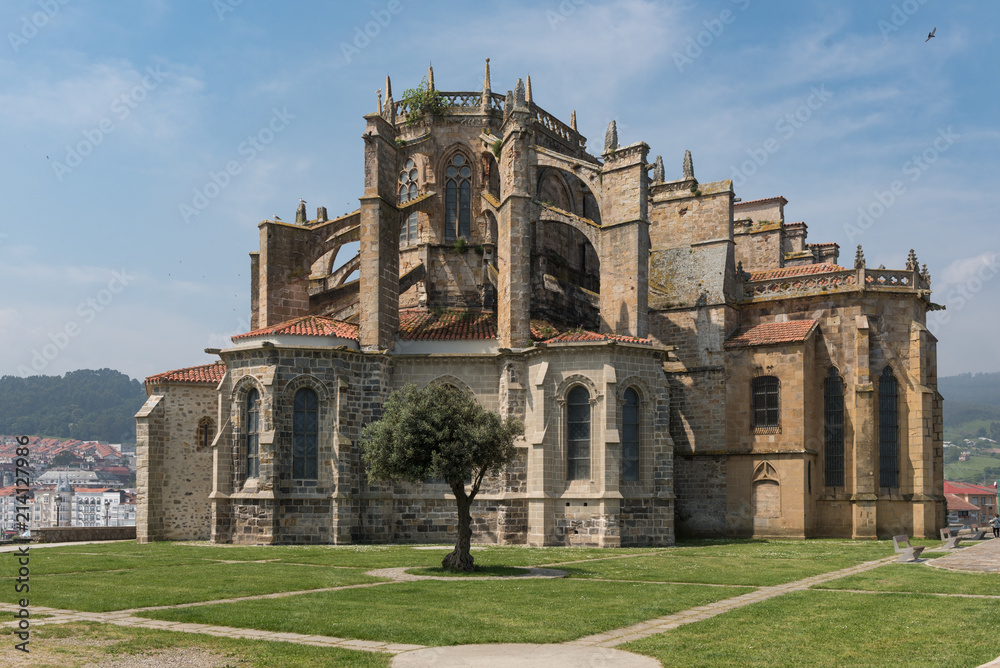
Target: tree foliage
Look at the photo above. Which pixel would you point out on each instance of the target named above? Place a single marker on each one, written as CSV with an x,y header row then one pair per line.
x,y
421,101
86,404
440,432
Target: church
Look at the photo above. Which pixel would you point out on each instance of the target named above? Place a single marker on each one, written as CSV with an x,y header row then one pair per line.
x,y
685,363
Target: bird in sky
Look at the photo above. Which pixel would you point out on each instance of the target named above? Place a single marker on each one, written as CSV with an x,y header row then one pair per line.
x,y
930,35
302,201
277,217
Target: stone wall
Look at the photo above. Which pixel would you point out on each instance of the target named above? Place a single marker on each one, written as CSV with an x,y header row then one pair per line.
x,y
75,534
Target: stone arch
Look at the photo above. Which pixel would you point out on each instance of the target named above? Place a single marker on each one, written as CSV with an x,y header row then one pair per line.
x,y
454,381
323,393
204,434
580,176
766,493
552,187
578,379
570,246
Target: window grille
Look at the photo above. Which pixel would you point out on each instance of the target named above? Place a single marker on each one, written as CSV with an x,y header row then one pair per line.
x,y
630,436
833,428
305,435
888,430
578,432
765,403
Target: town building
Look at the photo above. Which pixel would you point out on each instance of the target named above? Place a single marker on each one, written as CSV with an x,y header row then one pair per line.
x,y
684,363
972,504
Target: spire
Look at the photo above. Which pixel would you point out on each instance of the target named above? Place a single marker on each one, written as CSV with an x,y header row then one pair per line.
x,y
388,87
911,262
519,94
508,104
486,79
688,166
659,173
528,93
300,213
611,138
430,77
572,121
926,275
378,109
388,110
859,258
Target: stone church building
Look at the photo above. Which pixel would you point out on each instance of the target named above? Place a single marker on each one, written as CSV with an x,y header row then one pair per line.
x,y
685,363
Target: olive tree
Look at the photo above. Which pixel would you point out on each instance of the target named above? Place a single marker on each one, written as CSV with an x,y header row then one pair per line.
x,y
439,431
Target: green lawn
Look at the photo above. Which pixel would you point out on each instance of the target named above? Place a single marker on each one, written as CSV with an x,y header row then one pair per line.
x,y
79,645
432,612
836,629
920,578
169,585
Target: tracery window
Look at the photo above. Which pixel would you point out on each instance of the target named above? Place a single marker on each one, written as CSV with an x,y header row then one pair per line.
x,y
305,435
252,434
833,428
458,198
408,191
888,429
578,434
764,390
630,436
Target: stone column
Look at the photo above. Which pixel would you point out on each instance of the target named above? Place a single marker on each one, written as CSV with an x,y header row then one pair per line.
x,y
624,247
863,500
379,270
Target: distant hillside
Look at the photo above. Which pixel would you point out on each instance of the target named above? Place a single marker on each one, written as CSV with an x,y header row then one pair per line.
x,y
978,388
89,405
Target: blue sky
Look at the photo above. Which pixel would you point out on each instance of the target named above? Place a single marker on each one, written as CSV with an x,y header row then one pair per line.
x,y
114,115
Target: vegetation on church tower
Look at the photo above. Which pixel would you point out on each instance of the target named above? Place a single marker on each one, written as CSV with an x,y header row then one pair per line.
x,y
439,431
420,102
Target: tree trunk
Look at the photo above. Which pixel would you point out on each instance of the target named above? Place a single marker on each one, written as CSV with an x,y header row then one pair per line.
x,y
460,558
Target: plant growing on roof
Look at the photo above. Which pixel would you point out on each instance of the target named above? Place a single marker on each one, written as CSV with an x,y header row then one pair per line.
x,y
421,102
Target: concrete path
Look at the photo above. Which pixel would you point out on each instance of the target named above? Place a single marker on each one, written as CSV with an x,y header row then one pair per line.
x,y
521,656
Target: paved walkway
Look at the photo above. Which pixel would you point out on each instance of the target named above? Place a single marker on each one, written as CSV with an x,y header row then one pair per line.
x,y
591,651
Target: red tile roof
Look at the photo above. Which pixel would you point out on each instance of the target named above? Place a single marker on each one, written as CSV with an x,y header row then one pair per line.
x,y
206,373
796,225
824,244
308,325
788,272
968,488
772,333
584,336
764,199
456,325
958,503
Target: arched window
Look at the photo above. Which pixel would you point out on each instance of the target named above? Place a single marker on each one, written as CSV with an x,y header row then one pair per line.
x,y
833,428
630,436
305,435
408,191
458,198
252,435
765,403
578,432
205,435
888,430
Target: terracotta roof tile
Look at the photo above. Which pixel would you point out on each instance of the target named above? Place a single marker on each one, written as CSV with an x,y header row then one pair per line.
x,y
772,333
455,325
967,488
958,503
308,325
584,336
788,272
763,199
206,373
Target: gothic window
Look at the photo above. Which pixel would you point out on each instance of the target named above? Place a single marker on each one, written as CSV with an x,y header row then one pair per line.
x,y
458,198
630,437
408,191
764,390
305,435
252,435
578,431
833,428
888,430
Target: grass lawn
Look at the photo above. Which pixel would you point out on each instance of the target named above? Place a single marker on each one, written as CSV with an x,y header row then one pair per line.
x,y
480,572
836,629
78,645
169,585
433,612
920,578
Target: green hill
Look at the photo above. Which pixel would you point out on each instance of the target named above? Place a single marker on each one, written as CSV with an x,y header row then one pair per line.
x,y
86,404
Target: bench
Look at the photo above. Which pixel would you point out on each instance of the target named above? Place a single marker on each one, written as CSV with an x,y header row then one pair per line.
x,y
907,553
977,534
951,539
